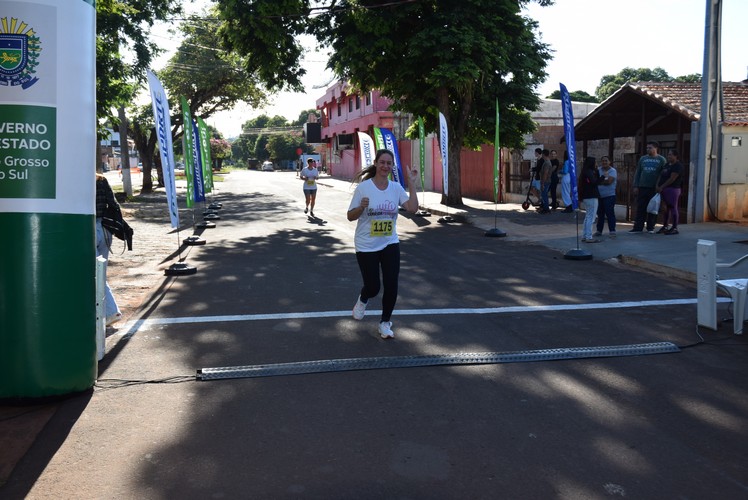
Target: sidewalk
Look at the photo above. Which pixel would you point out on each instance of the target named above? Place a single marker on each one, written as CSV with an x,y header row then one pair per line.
x,y
673,255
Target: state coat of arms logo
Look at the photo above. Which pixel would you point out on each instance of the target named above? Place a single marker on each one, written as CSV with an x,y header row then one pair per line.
x,y
19,53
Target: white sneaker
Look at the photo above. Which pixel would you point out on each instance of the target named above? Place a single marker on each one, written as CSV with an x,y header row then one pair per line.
x,y
359,310
385,330
110,320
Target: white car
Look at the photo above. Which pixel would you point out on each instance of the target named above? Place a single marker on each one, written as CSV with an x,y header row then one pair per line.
x,y
267,166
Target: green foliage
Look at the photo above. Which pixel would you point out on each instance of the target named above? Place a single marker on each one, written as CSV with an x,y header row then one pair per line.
x,y
284,146
304,117
692,78
123,25
457,58
452,56
609,84
576,96
265,32
220,148
210,78
260,151
245,147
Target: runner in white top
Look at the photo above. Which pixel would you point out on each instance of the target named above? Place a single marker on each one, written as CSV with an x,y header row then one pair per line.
x,y
309,175
375,208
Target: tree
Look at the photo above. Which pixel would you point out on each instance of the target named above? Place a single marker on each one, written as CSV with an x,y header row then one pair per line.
x,y
211,79
220,149
284,146
576,96
304,117
123,25
143,133
609,84
260,150
455,57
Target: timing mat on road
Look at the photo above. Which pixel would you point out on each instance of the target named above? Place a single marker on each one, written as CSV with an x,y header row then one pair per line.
x,y
480,358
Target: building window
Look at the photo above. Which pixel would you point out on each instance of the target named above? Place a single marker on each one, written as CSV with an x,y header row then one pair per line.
x,y
368,98
350,104
339,109
358,101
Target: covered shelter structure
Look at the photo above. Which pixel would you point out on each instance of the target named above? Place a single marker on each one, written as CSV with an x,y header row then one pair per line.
x,y
668,112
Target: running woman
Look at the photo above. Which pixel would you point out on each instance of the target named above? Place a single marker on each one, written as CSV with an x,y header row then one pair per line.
x,y
375,207
309,175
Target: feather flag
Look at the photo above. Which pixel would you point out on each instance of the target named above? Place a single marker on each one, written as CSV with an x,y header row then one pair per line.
x,y
366,144
204,135
197,162
422,149
444,148
570,144
496,157
188,148
385,139
166,149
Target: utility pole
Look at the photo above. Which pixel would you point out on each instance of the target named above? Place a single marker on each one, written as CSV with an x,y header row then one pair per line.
x,y
707,159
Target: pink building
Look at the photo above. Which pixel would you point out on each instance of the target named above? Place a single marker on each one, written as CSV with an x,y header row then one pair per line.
x,y
345,112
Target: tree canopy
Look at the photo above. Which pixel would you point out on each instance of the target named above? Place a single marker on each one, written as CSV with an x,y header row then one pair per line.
x,y
123,25
576,96
455,57
210,78
609,84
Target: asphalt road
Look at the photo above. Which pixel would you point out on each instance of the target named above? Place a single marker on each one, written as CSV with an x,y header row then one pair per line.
x,y
275,286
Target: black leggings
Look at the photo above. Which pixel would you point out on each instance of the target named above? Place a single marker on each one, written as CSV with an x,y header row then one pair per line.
x,y
369,263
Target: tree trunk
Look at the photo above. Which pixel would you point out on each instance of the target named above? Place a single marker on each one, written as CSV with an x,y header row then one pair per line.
x,y
124,152
456,135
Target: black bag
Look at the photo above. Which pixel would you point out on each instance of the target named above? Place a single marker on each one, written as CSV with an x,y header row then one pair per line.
x,y
113,222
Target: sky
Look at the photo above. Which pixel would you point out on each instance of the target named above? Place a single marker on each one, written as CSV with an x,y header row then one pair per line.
x,y
589,39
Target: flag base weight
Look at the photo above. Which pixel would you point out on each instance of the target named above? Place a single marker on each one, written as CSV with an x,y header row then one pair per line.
x,y
180,269
215,206
194,241
209,212
495,233
208,225
578,254
212,217
424,213
447,219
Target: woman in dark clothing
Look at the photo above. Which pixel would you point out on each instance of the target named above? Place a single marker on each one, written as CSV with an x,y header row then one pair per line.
x,y
105,202
554,178
669,186
588,194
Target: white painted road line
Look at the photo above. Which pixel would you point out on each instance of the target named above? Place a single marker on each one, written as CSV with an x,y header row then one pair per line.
x,y
133,327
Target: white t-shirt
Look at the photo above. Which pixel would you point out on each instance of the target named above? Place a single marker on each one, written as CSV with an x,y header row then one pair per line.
x,y
311,175
377,226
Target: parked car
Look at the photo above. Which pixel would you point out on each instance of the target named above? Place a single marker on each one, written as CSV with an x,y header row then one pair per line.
x,y
267,166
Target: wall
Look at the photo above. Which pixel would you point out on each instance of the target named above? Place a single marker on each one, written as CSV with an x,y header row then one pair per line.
x,y
733,197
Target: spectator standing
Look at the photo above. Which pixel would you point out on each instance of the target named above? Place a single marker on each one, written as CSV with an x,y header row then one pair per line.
x,y
106,203
669,186
555,165
607,204
645,186
589,194
535,187
545,181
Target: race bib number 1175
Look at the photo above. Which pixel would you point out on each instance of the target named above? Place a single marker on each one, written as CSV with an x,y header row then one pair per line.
x,y
381,228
